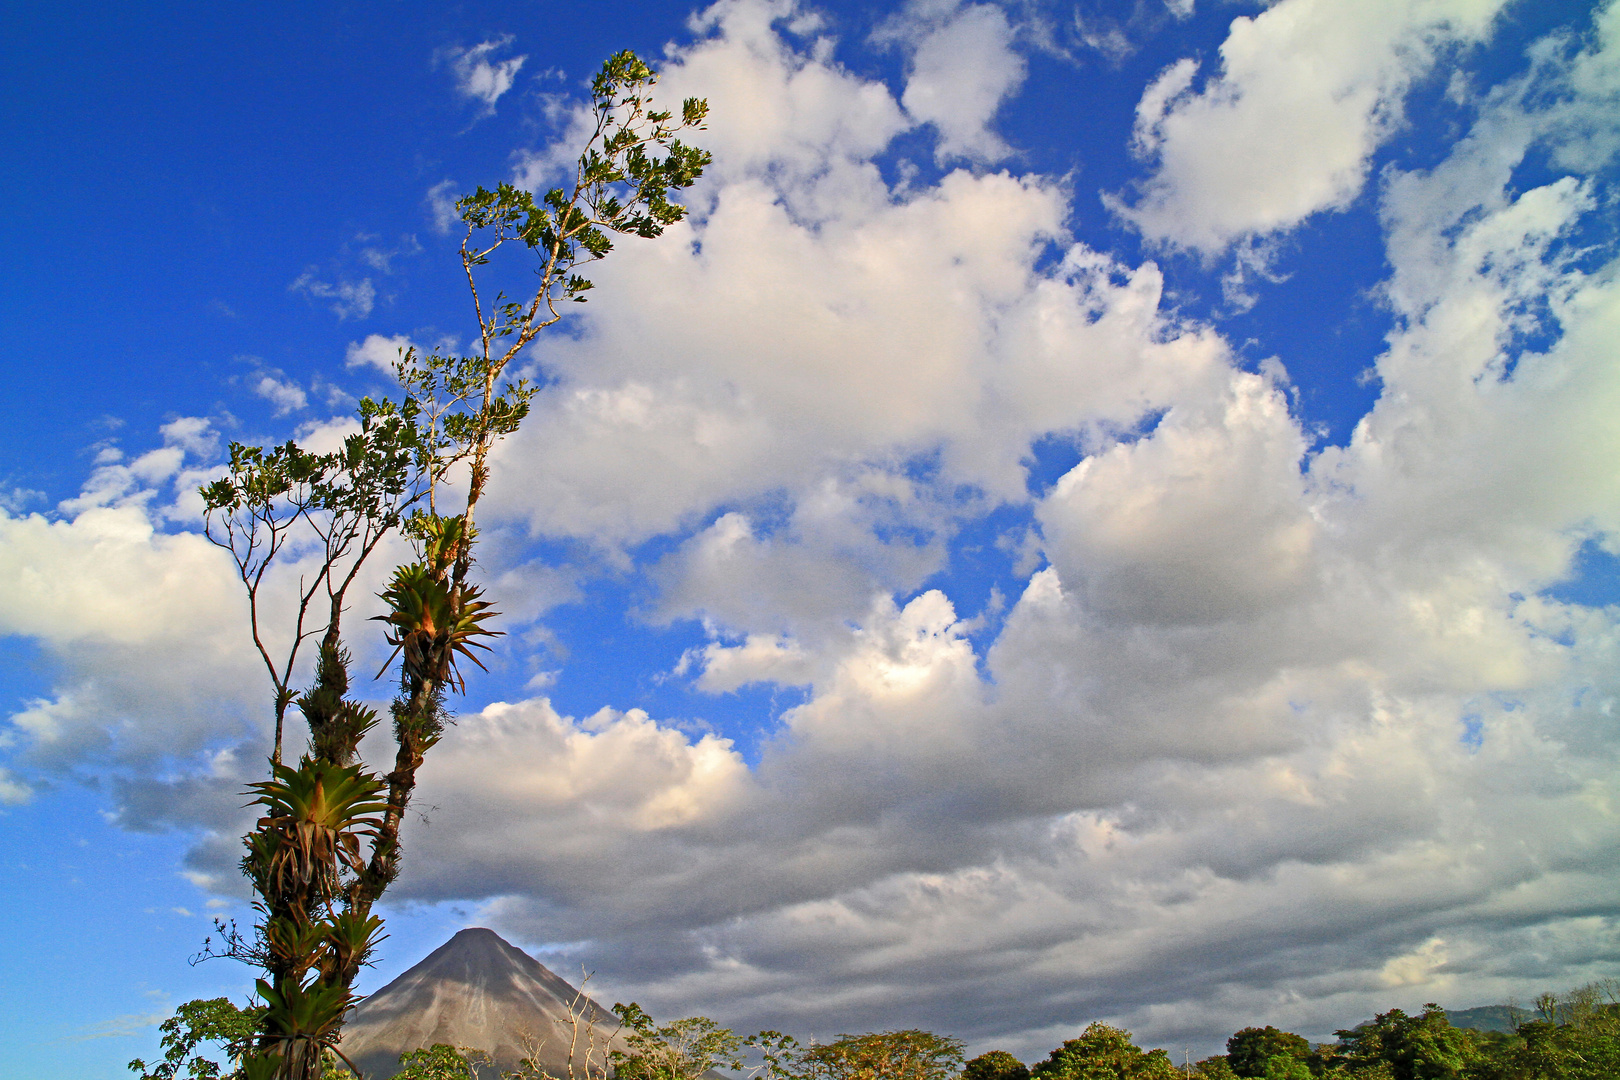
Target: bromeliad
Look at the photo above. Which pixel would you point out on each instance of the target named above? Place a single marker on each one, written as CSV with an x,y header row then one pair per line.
x,y
433,621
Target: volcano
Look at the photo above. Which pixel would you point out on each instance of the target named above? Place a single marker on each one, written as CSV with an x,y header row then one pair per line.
x,y
480,992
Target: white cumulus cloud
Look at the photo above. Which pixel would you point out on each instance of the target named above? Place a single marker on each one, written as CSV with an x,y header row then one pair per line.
x,y
377,351
1305,92
284,395
479,76
963,65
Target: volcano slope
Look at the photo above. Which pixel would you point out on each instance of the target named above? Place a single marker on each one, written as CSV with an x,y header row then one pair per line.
x,y
480,992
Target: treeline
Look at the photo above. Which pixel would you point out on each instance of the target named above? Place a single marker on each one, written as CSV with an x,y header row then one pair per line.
x,y
1572,1037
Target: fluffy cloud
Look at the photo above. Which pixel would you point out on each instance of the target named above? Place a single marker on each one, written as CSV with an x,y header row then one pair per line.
x,y
1201,521
349,299
760,658
378,351
145,622
13,791
1307,90
845,330
286,396
441,205
962,66
812,348
478,76
154,671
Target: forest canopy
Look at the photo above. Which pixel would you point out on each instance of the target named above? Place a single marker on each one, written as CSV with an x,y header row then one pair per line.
x,y
1574,1036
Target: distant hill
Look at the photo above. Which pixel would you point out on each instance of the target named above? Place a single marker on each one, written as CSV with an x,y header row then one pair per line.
x,y
1488,1018
1504,1018
478,991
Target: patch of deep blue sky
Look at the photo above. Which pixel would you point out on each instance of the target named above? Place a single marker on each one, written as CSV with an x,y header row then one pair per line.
x,y
97,942
173,169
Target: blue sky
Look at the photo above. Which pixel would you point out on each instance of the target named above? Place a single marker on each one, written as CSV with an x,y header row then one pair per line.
x,y
1105,511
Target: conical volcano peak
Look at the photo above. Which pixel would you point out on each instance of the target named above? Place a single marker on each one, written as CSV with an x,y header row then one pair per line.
x,y
477,991
474,937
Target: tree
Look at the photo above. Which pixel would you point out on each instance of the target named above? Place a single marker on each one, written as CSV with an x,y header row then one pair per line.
x,y
441,1062
1104,1052
211,1020
1269,1054
347,500
995,1065
780,1055
327,846
1423,1047
681,1050
1575,1037
885,1055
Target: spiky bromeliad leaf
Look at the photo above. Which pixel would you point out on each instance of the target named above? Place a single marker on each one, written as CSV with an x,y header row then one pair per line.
x,y
293,940
317,813
428,630
261,1066
302,1023
442,540
350,937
